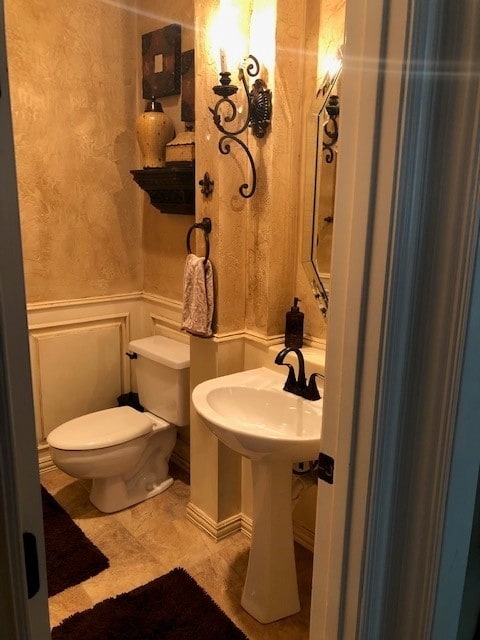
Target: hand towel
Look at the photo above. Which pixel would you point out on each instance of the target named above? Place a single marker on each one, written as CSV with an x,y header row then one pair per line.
x,y
198,299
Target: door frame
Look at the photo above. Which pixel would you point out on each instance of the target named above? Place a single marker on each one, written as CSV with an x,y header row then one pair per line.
x,y
398,386
367,370
20,501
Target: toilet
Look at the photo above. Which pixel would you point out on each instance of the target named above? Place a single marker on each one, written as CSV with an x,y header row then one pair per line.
x,y
123,451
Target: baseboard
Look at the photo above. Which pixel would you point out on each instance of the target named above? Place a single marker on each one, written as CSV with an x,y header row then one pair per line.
x,y
243,523
45,461
247,526
303,536
216,530
136,314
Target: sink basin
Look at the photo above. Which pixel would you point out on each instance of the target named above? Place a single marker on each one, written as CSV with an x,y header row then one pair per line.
x,y
250,413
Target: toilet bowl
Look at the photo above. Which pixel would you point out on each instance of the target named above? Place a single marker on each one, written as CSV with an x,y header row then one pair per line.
x,y
123,451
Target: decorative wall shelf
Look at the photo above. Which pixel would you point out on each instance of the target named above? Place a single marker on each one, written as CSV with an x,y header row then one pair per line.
x,y
171,188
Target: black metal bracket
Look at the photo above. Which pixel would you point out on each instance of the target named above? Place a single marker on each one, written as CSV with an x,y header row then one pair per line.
x,y
331,128
326,468
258,117
171,189
31,563
206,226
207,185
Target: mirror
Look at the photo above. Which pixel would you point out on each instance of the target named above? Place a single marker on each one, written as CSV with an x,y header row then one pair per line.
x,y
321,169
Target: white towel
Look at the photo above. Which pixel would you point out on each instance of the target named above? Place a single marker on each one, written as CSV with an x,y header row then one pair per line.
x,y
197,297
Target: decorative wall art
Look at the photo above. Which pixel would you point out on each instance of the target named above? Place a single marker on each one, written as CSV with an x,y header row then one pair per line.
x,y
188,86
161,54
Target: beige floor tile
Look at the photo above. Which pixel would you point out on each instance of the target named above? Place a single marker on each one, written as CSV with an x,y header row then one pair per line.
x,y
55,480
68,602
225,586
177,543
117,579
235,551
215,575
74,499
116,542
147,516
153,537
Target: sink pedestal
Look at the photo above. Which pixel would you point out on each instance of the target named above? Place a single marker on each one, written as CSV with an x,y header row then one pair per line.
x,y
251,413
270,591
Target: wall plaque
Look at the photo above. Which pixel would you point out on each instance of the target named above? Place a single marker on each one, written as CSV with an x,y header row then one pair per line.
x,y
161,54
188,86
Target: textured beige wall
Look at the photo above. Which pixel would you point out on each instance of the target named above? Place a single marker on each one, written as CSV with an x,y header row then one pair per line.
x,y
164,235
332,30
87,229
254,242
272,244
225,207
324,33
72,71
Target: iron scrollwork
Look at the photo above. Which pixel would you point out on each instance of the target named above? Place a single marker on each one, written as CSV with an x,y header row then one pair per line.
x,y
258,117
331,128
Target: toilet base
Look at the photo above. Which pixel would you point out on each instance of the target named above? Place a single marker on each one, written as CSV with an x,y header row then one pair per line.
x,y
126,473
113,494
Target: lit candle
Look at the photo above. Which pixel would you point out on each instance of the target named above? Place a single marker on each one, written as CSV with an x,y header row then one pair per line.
x,y
223,61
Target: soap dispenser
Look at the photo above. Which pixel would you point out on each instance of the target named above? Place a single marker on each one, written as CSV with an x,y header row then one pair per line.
x,y
294,326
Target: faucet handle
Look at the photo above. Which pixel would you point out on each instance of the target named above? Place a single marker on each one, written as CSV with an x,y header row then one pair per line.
x,y
312,389
291,382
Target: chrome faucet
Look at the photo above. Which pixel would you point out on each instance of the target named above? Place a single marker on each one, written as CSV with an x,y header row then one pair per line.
x,y
298,385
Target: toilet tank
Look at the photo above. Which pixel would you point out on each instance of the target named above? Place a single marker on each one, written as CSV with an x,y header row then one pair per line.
x,y
163,380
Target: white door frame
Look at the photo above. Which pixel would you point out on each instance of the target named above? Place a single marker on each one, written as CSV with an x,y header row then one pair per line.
x,y
370,103
374,382
402,270
20,504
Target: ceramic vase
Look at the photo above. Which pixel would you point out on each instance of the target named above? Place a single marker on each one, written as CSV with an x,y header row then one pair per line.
x,y
181,150
154,130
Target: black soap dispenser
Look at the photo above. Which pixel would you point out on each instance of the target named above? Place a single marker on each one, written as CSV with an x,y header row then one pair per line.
x,y
294,326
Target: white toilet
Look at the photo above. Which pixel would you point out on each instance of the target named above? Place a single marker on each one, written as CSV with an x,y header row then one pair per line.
x,y
124,451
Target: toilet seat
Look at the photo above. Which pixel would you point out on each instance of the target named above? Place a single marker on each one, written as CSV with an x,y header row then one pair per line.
x,y
101,429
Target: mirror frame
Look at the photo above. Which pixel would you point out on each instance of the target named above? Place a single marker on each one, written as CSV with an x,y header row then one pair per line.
x,y
319,282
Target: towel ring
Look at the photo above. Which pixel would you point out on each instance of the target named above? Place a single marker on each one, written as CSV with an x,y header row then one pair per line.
x,y
206,227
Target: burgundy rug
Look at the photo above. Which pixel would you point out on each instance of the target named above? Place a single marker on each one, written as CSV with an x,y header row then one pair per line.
x,y
71,556
172,607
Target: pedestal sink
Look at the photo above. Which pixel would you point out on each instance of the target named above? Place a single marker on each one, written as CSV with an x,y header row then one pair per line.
x,y
250,413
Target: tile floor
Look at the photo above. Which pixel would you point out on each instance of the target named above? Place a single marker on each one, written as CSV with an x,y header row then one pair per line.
x,y
150,539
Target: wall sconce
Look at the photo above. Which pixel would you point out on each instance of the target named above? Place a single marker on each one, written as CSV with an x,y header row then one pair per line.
x,y
258,117
330,128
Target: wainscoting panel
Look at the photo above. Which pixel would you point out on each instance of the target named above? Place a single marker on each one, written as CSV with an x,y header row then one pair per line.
x,y
78,367
77,350
163,317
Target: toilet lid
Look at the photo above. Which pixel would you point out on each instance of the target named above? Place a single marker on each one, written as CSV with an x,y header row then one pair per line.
x,y
100,429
